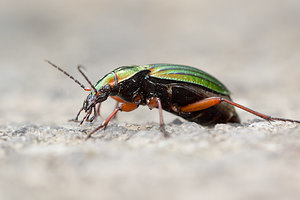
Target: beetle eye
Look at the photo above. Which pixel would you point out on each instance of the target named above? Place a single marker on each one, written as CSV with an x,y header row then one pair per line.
x,y
106,88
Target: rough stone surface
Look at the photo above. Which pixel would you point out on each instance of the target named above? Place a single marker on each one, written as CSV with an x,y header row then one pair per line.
x,y
253,47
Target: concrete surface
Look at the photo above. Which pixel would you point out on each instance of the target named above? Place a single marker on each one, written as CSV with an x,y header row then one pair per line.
x,y
253,47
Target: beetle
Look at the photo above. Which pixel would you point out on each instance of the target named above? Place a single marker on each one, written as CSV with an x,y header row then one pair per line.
x,y
182,90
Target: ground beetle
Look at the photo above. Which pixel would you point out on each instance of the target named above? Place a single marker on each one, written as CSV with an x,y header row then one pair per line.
x,y
181,90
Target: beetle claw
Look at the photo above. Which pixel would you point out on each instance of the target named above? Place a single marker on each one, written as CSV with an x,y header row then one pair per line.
x,y
165,133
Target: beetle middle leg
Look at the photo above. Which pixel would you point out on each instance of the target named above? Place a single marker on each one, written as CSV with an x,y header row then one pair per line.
x,y
155,102
211,101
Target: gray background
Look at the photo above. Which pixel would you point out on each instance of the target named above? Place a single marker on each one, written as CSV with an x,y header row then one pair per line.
x,y
253,47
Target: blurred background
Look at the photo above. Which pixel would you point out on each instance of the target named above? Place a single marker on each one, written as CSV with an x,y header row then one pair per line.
x,y
253,47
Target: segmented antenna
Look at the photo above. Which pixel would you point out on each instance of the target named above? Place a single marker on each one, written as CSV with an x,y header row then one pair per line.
x,y
76,81
86,78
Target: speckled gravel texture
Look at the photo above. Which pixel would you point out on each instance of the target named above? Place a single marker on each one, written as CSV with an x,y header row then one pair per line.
x,y
252,47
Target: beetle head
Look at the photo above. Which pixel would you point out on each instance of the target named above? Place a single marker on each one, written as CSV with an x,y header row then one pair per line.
x,y
100,91
96,97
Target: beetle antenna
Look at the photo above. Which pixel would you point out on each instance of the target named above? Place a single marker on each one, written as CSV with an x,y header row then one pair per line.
x,y
67,74
86,78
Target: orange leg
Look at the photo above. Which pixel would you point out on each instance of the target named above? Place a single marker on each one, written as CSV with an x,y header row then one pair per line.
x,y
127,107
155,102
209,102
118,100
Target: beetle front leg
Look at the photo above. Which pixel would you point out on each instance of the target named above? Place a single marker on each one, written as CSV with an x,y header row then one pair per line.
x,y
77,116
96,112
127,107
86,116
209,102
94,116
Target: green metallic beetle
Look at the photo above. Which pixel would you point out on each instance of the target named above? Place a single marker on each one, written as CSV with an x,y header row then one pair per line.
x,y
181,90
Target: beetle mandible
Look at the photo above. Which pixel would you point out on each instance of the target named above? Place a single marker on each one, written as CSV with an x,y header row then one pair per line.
x,y
182,90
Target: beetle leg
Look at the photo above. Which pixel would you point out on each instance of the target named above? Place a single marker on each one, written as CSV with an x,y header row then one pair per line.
x,y
96,112
94,116
104,123
117,105
86,116
155,102
209,102
127,107
76,118
98,109
201,105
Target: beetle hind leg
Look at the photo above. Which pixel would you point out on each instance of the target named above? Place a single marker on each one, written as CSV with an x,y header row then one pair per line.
x,y
211,101
266,117
155,102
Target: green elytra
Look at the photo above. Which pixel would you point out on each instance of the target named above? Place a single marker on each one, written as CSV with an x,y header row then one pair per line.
x,y
181,73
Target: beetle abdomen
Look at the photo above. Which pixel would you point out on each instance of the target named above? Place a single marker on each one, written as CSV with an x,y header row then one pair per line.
x,y
176,93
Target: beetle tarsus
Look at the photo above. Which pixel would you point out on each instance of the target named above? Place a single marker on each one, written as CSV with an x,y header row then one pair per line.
x,y
283,119
73,120
161,119
162,129
105,122
155,102
77,116
94,131
266,117
86,116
